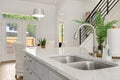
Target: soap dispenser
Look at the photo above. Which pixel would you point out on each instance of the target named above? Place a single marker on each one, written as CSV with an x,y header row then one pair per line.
x,y
106,52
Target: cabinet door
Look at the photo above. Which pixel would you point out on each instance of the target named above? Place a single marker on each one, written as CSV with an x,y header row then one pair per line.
x,y
56,76
41,71
33,76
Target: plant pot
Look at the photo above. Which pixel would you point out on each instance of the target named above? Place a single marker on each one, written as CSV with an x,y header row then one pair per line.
x,y
42,46
100,49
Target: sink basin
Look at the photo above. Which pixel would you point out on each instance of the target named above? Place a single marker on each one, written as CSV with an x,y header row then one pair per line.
x,y
91,65
68,59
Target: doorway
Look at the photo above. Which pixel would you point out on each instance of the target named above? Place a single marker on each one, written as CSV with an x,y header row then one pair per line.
x,y
30,35
12,30
9,36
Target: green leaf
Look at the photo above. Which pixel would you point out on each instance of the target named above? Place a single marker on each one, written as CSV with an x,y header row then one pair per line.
x,y
101,27
42,41
109,24
19,17
81,22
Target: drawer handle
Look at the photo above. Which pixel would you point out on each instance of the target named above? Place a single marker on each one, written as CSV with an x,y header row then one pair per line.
x,y
30,60
27,69
30,72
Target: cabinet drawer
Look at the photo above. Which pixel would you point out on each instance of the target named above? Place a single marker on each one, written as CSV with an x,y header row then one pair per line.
x,y
32,64
26,73
26,60
41,71
33,76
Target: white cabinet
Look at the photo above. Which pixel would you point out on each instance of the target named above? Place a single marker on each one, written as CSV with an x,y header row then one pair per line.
x,y
26,74
33,76
26,60
35,70
26,68
56,76
41,71
32,64
29,68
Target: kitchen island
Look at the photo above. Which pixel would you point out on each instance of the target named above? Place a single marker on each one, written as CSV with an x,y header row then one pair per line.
x,y
39,65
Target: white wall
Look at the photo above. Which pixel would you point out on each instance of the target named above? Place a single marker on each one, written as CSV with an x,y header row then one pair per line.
x,y
47,24
73,10
90,4
88,43
114,14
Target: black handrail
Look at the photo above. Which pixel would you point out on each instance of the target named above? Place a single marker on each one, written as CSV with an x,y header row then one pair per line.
x,y
104,7
107,6
94,9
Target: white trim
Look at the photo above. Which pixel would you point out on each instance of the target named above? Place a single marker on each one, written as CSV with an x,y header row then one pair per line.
x,y
21,36
0,41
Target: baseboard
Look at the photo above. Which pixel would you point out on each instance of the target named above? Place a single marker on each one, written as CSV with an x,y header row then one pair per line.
x,y
8,61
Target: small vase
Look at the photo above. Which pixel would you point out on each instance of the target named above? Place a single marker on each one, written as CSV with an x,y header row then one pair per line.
x,y
42,46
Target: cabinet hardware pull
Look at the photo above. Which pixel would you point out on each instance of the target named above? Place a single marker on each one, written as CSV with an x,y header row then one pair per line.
x,y
30,60
27,69
30,72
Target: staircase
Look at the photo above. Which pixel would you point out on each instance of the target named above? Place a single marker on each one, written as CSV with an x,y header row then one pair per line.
x,y
104,7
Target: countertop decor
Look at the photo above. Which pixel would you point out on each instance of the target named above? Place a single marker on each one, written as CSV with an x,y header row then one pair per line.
x,y
101,29
42,42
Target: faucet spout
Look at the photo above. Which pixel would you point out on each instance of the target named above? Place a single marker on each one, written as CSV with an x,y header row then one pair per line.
x,y
94,33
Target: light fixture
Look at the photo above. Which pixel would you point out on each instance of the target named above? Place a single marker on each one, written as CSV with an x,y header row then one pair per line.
x,y
38,13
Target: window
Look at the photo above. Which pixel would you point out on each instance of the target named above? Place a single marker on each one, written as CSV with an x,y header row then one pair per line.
x,y
11,36
30,39
61,33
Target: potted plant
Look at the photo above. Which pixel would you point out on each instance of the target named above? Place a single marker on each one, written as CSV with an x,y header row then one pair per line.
x,y
42,43
101,28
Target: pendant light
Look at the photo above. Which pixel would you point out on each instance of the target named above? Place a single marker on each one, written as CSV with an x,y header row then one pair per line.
x,y
38,13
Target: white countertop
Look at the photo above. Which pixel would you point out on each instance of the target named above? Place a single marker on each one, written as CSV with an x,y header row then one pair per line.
x,y
43,55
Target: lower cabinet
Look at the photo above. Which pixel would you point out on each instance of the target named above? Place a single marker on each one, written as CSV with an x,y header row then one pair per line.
x,y
36,70
56,76
41,71
26,68
33,76
26,74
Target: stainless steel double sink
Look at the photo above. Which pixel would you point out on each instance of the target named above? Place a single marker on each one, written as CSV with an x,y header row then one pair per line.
x,y
83,64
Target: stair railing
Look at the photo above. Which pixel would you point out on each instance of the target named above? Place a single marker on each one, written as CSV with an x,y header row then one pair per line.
x,y
104,7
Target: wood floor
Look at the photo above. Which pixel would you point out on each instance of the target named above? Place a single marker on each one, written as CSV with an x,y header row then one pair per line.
x,y
7,71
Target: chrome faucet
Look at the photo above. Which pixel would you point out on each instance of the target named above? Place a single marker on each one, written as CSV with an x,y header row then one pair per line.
x,y
94,34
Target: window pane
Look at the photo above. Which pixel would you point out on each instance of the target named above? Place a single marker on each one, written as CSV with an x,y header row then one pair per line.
x,y
61,32
11,36
30,39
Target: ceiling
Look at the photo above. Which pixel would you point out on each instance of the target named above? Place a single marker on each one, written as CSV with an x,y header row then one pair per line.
x,y
45,1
